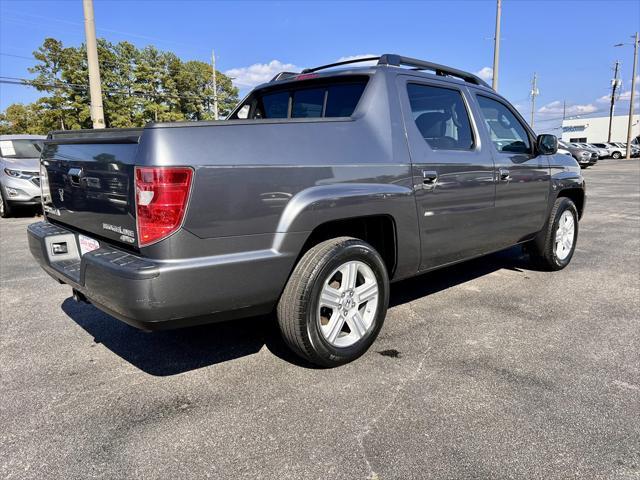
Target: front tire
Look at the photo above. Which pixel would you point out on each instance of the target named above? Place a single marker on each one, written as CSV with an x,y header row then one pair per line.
x,y
335,302
5,207
616,155
555,245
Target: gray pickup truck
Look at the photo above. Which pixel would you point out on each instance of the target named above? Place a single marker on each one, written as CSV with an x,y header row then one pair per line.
x,y
320,189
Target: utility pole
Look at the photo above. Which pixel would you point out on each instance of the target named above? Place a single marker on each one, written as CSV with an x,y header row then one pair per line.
x,y
564,110
496,47
614,85
633,88
215,86
534,93
95,90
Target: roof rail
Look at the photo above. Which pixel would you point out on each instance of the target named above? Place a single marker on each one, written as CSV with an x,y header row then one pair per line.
x,y
397,61
443,70
354,60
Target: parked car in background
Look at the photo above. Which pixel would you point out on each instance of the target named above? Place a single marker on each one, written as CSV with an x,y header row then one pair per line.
x,y
616,150
602,152
322,188
584,157
635,150
603,146
587,147
19,171
564,151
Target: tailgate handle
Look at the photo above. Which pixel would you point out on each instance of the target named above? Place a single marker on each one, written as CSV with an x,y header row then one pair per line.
x,y
74,175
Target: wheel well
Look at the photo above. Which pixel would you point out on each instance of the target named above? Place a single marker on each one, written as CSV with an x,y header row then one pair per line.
x,y
377,230
576,195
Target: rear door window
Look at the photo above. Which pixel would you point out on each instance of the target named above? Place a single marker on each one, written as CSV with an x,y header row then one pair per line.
x,y
441,116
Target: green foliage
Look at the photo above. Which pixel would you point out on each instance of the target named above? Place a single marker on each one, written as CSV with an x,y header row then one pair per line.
x,y
138,86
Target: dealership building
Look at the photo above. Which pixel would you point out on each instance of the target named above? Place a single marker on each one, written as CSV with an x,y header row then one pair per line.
x,y
596,129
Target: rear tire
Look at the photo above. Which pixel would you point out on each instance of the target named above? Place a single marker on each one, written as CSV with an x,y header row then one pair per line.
x,y
335,302
5,207
555,245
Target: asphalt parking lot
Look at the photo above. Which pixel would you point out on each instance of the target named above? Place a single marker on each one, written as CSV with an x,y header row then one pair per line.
x,y
484,370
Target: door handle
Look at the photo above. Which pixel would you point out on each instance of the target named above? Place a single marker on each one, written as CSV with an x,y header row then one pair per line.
x,y
429,177
504,174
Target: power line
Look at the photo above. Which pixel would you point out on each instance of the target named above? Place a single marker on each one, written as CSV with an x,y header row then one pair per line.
x,y
117,64
79,87
70,22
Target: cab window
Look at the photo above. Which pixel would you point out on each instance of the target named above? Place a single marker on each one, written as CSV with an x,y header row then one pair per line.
x,y
506,131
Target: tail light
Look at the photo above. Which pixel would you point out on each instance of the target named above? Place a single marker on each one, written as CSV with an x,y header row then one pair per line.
x,y
162,194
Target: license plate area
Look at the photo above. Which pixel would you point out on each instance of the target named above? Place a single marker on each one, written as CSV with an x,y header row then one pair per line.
x,y
87,244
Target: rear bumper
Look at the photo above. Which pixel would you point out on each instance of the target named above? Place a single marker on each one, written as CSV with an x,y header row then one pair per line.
x,y
154,295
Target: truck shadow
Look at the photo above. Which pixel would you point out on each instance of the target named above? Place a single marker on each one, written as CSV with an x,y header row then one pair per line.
x,y
172,352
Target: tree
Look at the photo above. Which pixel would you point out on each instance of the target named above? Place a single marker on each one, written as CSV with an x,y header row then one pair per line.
x,y
138,86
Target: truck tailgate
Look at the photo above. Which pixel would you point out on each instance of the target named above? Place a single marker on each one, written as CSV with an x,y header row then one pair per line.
x,y
89,182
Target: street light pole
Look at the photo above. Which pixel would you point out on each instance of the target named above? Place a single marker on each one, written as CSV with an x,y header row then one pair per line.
x,y
633,90
496,47
95,90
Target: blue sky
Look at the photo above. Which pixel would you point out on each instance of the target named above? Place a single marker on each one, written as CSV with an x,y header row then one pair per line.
x,y
568,43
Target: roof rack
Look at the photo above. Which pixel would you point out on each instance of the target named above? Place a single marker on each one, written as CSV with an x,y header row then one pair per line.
x,y
443,70
337,64
397,61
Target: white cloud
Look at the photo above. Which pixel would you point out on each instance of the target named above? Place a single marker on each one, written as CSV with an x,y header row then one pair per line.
x,y
258,73
485,73
626,95
557,108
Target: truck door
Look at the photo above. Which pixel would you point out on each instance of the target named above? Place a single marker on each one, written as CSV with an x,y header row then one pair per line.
x,y
522,188
453,172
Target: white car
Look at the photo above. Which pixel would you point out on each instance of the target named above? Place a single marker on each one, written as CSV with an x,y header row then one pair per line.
x,y
19,171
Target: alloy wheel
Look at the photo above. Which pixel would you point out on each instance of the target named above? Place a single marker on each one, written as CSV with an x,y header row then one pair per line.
x,y
348,303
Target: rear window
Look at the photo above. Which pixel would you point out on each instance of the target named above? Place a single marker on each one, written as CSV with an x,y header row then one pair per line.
x,y
305,100
21,148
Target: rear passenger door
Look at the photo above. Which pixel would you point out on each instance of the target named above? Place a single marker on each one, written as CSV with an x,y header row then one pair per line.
x,y
522,188
453,172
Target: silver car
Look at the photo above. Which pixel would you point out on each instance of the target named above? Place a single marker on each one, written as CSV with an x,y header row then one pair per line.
x,y
602,152
19,171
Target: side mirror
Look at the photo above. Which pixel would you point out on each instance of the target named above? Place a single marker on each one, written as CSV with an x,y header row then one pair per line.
x,y
547,144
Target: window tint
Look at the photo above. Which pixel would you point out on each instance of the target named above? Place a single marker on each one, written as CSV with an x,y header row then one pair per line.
x,y
307,99
507,133
441,117
342,99
276,105
308,103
